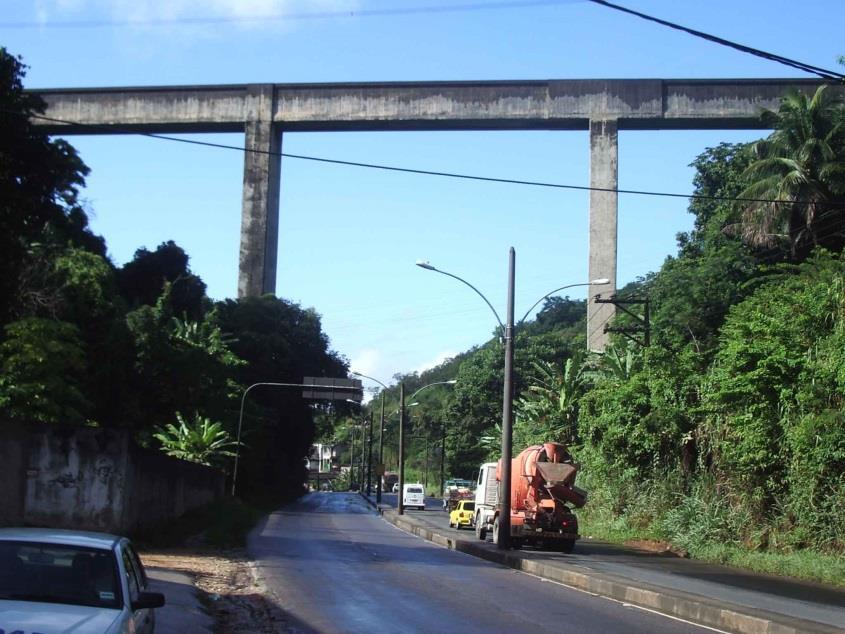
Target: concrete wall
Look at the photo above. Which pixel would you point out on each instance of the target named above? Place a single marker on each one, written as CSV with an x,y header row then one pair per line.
x,y
164,488
13,467
95,479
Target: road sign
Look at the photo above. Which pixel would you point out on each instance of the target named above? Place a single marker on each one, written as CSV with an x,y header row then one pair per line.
x,y
330,389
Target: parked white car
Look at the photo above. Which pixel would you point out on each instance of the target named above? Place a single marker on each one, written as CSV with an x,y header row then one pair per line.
x,y
414,495
56,581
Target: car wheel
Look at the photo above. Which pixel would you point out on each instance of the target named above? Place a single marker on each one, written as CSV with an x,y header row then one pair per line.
x,y
567,546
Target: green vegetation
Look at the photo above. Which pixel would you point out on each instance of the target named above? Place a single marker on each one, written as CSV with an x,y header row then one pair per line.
x,y
84,342
199,441
724,437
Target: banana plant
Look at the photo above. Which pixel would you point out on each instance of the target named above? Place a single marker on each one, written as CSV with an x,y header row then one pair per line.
x,y
199,440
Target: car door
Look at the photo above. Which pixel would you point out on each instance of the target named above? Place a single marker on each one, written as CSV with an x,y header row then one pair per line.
x,y
137,582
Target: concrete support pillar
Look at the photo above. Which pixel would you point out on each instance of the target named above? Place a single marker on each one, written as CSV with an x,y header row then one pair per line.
x,y
260,210
604,163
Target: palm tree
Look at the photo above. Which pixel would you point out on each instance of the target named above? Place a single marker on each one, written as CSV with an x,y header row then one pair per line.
x,y
799,176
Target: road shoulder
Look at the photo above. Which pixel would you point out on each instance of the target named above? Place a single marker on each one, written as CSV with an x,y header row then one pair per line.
x,y
211,591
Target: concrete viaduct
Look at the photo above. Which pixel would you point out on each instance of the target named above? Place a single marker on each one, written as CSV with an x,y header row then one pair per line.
x,y
265,111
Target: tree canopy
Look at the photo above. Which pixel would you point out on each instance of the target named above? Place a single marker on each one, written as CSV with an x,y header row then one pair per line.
x,y
83,342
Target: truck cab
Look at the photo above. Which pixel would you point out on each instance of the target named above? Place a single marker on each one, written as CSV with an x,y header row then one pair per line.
x,y
486,499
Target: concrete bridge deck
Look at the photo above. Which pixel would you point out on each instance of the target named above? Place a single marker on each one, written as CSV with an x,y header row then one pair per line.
x,y
264,111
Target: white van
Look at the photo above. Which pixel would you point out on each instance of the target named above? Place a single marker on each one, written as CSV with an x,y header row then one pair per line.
x,y
414,495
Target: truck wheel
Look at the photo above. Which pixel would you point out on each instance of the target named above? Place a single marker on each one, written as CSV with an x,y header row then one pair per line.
x,y
480,529
496,531
516,544
567,545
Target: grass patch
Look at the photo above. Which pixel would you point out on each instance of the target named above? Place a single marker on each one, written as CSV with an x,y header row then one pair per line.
x,y
617,533
223,523
802,564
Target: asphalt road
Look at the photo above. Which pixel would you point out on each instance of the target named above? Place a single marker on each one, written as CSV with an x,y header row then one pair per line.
x,y
790,597
336,566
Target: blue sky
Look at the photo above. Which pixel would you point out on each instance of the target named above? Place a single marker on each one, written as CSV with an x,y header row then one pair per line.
x,y
349,237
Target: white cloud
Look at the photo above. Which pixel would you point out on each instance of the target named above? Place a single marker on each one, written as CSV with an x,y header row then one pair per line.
x,y
440,358
367,361
141,11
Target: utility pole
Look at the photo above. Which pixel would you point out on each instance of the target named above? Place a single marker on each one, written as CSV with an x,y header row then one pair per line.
x,y
442,453
644,323
370,456
352,457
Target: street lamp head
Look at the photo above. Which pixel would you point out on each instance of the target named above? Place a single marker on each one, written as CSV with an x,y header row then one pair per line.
x,y
425,264
600,281
451,382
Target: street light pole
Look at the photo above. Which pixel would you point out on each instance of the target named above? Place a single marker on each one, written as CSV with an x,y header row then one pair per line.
x,y
241,418
361,459
370,455
503,534
351,457
380,453
381,434
400,505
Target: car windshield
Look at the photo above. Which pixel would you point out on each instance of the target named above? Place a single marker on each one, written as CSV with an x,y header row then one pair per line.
x,y
414,490
469,506
56,573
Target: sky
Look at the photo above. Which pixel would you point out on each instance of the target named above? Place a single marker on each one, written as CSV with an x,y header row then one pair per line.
x,y
349,237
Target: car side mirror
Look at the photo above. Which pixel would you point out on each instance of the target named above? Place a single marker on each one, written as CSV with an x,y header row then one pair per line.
x,y
148,600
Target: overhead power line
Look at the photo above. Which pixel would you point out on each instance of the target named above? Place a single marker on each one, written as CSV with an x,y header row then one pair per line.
x,y
410,170
284,17
809,68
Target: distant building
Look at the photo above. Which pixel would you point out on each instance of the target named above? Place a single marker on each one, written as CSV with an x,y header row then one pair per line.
x,y
322,458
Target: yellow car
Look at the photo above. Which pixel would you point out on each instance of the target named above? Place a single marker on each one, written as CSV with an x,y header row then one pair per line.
x,y
462,515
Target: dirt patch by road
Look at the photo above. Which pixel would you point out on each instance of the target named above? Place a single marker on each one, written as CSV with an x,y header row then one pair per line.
x,y
657,546
228,588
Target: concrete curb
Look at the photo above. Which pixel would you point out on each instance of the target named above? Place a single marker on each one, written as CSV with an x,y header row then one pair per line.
x,y
698,609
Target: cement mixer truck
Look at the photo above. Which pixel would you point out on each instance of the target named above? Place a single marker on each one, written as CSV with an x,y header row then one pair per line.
x,y
542,493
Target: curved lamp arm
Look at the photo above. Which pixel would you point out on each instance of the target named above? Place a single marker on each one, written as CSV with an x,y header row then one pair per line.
x,y
426,265
364,376
597,282
411,398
